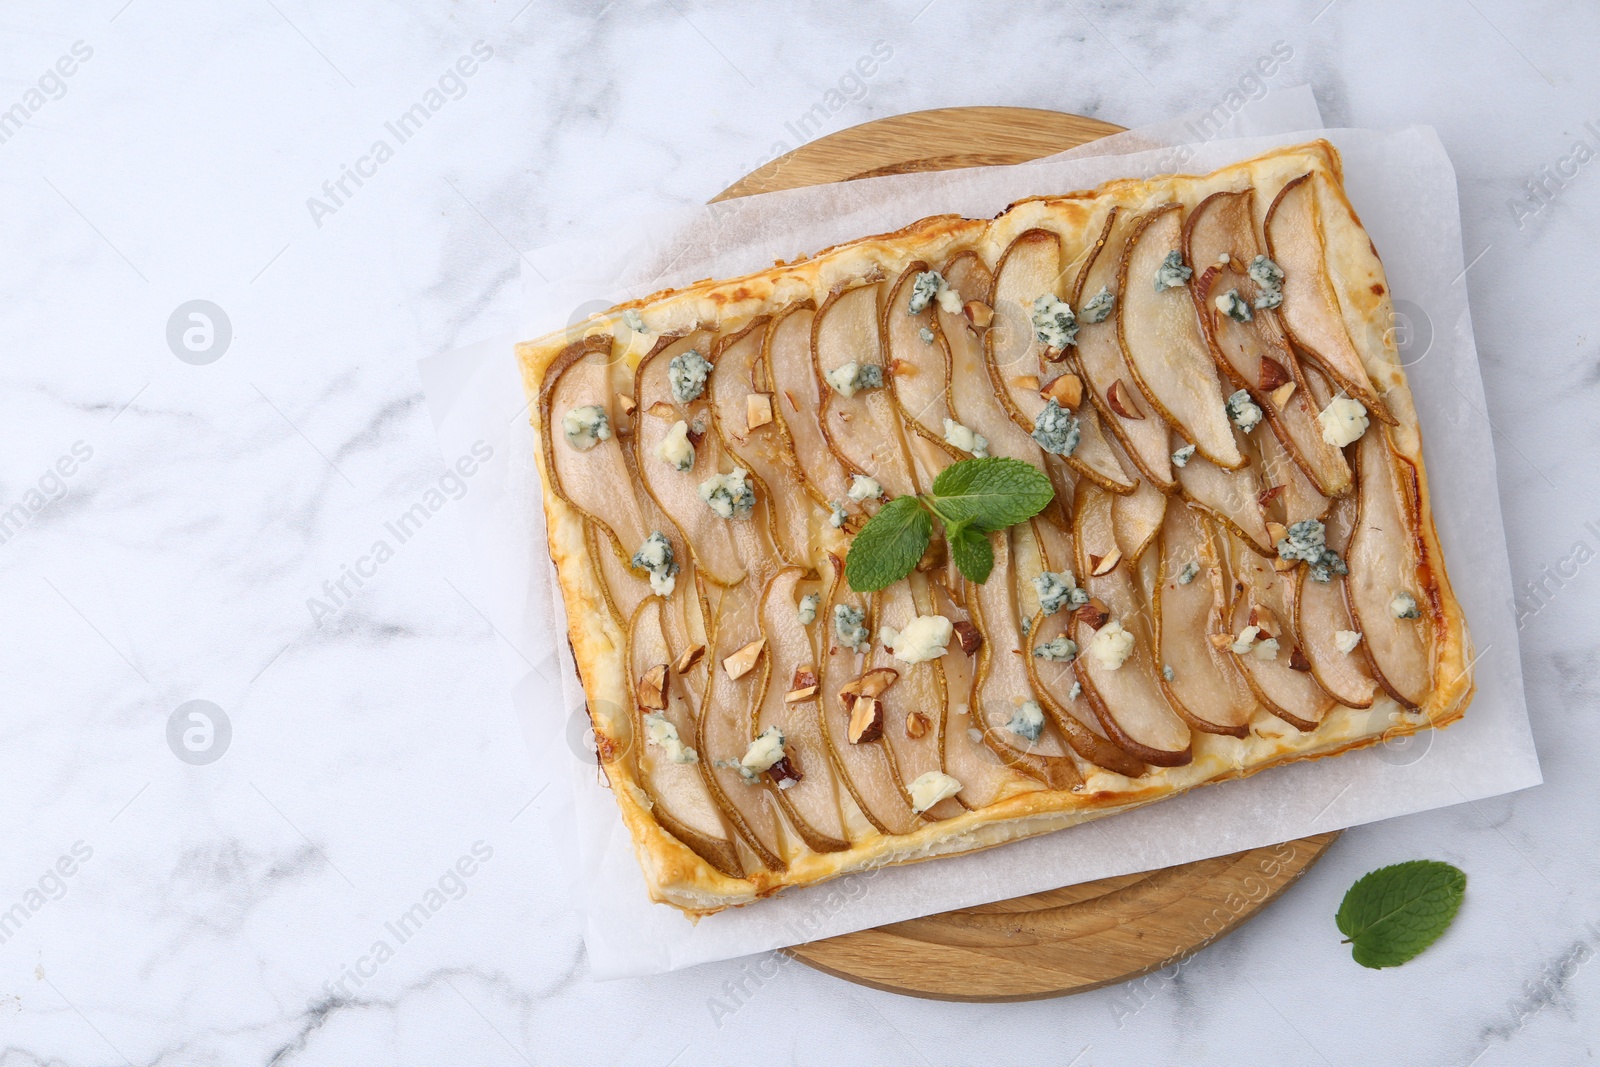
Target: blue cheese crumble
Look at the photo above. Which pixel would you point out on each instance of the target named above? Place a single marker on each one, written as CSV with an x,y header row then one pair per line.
x,y
1111,645
1343,421
1076,691
926,335
1027,721
634,320
1057,590
1172,273
1098,309
864,488
1233,305
1055,430
1054,324
764,751
929,286
1059,650
929,788
1269,277
729,495
1166,672
849,378
1188,573
661,733
836,514
1244,412
586,427
967,440
1182,456
675,449
808,609
655,556
1404,606
687,373
849,626
1307,541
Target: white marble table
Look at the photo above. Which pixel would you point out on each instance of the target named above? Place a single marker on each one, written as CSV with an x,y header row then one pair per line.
x,y
203,528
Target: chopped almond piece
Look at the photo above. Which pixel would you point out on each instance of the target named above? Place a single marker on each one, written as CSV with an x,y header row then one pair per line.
x,y
1122,403
652,691
1094,613
1267,496
978,313
1026,381
784,773
662,410
1283,566
1272,374
917,725
690,657
1297,660
901,369
866,721
1277,531
627,403
758,410
1262,618
740,663
1221,640
968,635
1102,565
803,687
1066,390
1281,395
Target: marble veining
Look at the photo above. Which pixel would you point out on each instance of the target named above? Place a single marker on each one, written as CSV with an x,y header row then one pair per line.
x,y
228,908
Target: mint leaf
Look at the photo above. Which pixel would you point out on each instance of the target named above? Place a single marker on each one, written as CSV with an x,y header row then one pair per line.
x,y
889,545
973,553
1395,912
990,493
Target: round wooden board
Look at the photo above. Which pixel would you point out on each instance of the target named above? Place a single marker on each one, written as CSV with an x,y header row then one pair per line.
x,y
1083,936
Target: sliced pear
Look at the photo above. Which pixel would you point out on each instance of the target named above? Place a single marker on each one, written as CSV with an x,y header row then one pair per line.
x,y
725,730
589,481
984,778
1229,497
1298,499
1205,688
919,691
1292,695
761,450
1162,345
1041,545
797,402
1015,358
1137,518
1098,357
919,371
1320,612
683,803
973,401
812,803
1127,699
1310,307
709,537
1383,563
867,769
1002,684
1255,354
862,430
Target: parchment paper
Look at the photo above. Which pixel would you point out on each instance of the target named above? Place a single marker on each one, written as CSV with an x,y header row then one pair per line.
x,y
1403,186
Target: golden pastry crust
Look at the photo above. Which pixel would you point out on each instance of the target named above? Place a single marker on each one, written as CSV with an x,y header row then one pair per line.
x,y
679,876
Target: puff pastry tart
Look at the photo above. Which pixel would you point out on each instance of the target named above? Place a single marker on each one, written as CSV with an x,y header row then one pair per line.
x,y
1239,567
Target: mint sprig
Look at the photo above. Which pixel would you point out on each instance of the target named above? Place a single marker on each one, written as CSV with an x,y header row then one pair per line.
x,y
1395,912
972,499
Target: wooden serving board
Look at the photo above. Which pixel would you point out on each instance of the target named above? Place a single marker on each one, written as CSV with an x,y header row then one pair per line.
x,y
1083,936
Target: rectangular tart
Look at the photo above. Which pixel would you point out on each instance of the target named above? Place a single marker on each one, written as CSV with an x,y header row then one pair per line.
x,y
1239,567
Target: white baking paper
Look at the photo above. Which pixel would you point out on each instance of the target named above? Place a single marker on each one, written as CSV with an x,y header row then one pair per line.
x,y
1403,186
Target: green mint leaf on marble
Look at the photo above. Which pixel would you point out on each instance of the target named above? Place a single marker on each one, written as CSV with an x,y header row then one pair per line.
x,y
972,498
889,545
1395,912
